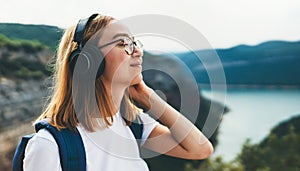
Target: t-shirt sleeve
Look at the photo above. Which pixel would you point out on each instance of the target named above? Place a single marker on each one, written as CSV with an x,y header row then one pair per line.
x,y
41,153
149,124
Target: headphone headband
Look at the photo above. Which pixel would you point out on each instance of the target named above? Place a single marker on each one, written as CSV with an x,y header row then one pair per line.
x,y
92,55
79,34
80,28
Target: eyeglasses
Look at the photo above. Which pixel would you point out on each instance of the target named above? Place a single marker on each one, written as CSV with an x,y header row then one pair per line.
x,y
129,45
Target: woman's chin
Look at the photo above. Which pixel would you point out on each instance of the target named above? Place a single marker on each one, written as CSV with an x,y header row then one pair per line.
x,y
137,79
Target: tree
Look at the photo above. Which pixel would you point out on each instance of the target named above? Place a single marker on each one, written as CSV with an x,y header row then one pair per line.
x,y
216,164
279,151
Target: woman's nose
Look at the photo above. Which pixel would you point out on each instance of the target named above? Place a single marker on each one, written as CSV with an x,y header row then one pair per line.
x,y
138,51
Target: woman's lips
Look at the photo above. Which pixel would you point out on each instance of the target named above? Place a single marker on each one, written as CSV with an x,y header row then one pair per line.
x,y
136,65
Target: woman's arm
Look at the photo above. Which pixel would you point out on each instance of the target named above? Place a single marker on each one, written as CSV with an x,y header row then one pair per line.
x,y
177,136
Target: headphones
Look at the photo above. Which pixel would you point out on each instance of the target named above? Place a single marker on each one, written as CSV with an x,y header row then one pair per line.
x,y
89,57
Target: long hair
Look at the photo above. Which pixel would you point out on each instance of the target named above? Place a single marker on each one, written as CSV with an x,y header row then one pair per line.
x,y
60,109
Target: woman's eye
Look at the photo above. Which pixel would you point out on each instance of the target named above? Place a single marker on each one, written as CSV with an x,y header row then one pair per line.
x,y
121,44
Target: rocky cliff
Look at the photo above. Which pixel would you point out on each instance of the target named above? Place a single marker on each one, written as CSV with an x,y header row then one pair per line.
x,y
22,95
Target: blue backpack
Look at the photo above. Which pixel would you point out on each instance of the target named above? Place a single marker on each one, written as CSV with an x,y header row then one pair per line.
x,y
70,145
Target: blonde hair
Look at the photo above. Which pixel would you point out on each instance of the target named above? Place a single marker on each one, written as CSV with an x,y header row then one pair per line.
x,y
60,110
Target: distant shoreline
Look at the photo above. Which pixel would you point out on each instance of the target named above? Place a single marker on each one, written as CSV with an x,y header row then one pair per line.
x,y
249,86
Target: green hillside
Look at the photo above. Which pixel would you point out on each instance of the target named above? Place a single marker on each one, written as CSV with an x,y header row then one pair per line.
x,y
279,151
25,49
14,44
23,59
47,35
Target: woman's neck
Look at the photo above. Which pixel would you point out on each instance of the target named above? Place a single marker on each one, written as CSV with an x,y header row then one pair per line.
x,y
115,92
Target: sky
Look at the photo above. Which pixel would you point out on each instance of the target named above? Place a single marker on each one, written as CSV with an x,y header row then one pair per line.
x,y
223,23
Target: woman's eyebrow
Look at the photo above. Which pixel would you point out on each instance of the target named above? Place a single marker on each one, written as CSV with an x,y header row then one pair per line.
x,y
120,35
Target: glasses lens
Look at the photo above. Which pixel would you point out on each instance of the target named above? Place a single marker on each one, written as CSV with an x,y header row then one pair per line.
x,y
128,44
138,44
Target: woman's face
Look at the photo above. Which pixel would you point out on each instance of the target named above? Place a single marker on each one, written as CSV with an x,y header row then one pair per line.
x,y
120,67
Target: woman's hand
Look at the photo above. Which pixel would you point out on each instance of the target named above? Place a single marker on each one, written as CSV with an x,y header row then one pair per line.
x,y
141,93
147,98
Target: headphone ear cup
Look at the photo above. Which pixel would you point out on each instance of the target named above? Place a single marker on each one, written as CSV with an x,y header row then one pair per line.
x,y
101,67
88,61
80,63
73,59
95,59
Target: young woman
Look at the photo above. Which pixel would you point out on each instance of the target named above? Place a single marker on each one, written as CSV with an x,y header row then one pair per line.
x,y
108,141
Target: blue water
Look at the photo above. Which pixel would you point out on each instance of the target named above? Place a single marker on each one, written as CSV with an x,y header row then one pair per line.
x,y
252,114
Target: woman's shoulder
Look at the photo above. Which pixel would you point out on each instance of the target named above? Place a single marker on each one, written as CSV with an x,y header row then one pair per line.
x,y
42,141
45,135
41,153
149,124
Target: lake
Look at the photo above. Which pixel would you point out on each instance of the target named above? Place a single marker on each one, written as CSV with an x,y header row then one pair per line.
x,y
253,112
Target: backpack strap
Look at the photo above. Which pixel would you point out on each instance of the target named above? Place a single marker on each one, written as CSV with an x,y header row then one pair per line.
x,y
137,127
70,146
17,163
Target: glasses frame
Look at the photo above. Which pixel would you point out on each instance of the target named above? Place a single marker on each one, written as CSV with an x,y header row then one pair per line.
x,y
123,40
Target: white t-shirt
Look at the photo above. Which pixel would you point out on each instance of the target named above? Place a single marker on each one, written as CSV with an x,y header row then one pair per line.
x,y
109,149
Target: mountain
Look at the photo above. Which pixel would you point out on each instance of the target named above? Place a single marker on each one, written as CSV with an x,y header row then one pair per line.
x,y
272,63
47,35
269,63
